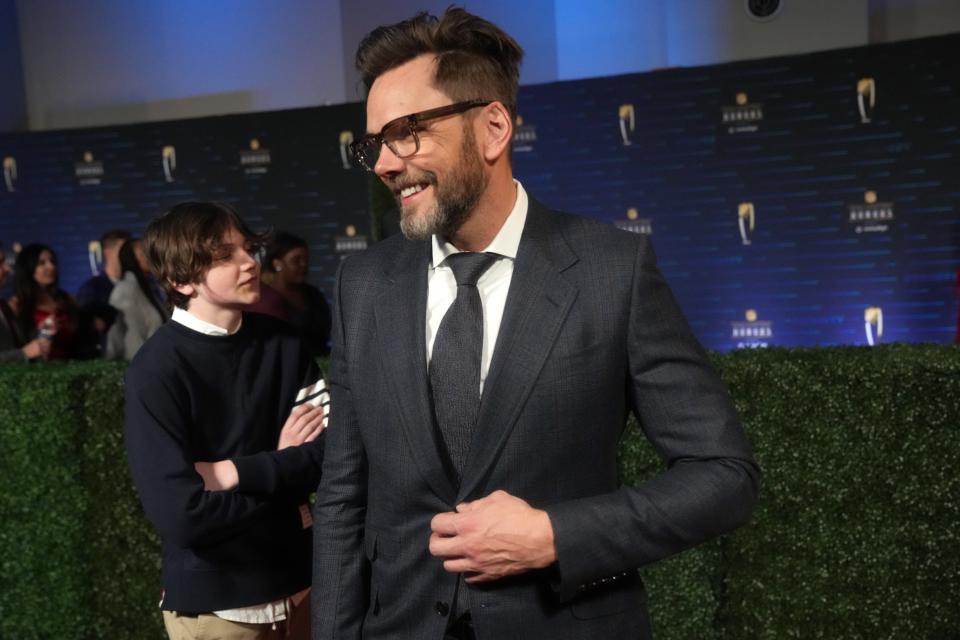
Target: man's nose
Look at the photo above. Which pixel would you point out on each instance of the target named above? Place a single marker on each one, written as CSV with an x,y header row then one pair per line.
x,y
388,163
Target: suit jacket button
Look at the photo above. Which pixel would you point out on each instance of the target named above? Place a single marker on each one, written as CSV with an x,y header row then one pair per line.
x,y
442,608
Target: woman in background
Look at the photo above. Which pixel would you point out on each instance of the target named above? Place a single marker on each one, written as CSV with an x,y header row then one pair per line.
x,y
44,310
12,348
288,296
138,301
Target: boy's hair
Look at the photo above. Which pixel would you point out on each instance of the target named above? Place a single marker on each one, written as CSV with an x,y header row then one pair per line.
x,y
185,241
476,59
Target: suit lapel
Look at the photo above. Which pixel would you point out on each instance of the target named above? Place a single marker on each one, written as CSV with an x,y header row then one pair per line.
x,y
537,304
401,327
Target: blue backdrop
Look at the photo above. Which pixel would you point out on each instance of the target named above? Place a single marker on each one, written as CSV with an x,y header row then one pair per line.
x,y
804,200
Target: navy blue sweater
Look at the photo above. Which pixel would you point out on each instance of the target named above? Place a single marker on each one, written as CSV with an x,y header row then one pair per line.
x,y
192,397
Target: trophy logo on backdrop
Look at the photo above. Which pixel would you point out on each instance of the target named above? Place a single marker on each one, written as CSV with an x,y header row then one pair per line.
x,y
634,223
751,333
747,220
168,155
871,216
628,123
866,98
524,136
873,324
255,160
743,116
88,171
349,242
10,173
346,139
95,256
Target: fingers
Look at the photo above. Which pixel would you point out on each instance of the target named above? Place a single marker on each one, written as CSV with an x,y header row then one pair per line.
x,y
314,428
444,524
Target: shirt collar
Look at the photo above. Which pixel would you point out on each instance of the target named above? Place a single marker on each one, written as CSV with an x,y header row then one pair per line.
x,y
507,241
191,321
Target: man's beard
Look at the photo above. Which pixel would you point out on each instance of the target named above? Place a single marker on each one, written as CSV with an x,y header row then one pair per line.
x,y
455,199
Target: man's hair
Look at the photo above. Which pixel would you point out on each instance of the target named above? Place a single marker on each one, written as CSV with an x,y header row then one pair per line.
x,y
476,59
113,236
183,243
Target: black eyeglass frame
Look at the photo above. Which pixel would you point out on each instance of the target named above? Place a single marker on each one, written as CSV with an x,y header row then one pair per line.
x,y
412,121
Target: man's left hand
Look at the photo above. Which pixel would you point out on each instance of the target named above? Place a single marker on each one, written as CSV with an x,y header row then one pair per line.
x,y
493,537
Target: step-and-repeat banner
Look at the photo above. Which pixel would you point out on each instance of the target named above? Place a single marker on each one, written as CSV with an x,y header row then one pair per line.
x,y
804,200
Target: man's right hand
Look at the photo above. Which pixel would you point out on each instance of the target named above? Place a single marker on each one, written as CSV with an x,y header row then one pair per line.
x,y
304,425
39,348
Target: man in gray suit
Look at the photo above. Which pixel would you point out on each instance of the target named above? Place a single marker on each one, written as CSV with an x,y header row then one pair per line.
x,y
482,369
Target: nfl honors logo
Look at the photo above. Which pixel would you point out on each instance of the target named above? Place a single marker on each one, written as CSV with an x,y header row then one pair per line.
x,y
634,223
626,116
255,160
866,99
349,242
10,173
871,216
346,139
747,221
751,333
95,256
89,171
168,157
743,116
873,324
524,136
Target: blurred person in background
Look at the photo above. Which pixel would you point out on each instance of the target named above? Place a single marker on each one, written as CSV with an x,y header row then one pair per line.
x,y
289,296
44,310
137,299
12,348
94,294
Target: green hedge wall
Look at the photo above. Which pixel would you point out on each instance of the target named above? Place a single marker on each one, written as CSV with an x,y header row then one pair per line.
x,y
77,558
857,534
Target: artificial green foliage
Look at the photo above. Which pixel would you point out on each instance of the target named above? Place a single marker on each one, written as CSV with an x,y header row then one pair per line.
x,y
77,558
858,530
857,533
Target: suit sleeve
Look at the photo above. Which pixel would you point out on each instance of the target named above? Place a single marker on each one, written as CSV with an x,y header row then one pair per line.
x,y
157,434
293,471
711,483
340,593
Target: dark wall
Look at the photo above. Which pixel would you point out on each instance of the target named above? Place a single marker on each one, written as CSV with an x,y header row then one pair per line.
x,y
805,275
13,107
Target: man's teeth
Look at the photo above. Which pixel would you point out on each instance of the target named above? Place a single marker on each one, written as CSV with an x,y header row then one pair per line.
x,y
409,191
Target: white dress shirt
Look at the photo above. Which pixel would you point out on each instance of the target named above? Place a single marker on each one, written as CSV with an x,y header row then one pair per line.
x,y
493,285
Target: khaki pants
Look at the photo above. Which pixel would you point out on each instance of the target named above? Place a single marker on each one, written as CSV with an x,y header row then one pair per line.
x,y
207,626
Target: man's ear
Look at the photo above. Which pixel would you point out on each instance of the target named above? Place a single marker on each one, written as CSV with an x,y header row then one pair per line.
x,y
496,131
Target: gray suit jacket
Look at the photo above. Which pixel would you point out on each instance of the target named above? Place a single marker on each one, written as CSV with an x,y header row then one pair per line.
x,y
590,332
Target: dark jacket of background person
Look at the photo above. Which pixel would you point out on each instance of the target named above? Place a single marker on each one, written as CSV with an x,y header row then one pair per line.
x,y
74,337
9,340
313,320
140,312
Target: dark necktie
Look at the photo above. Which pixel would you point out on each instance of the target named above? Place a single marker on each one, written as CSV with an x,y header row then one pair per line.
x,y
455,363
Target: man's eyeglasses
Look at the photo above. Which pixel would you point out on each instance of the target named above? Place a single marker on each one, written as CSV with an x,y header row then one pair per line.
x,y
400,135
